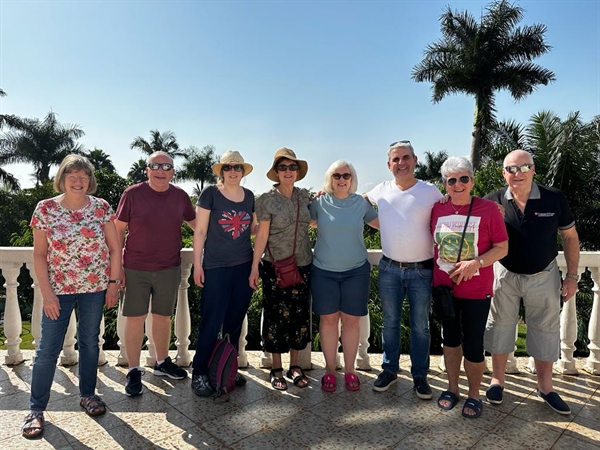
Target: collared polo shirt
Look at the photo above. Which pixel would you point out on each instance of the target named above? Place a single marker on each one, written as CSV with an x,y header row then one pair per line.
x,y
532,240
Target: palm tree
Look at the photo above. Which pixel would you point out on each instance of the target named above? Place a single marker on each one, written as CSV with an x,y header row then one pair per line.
x,y
166,142
482,58
41,143
430,169
137,172
198,166
100,160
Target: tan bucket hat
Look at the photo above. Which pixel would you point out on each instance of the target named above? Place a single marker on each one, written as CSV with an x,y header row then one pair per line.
x,y
287,153
233,158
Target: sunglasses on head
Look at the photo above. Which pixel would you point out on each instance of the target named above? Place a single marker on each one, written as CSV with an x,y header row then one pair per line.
x,y
284,167
236,167
345,176
163,166
464,180
524,168
400,142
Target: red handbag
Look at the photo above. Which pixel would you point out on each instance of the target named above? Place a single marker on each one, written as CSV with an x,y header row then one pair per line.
x,y
286,268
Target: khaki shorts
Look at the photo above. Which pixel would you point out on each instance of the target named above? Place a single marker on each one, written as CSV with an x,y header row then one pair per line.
x,y
161,286
541,297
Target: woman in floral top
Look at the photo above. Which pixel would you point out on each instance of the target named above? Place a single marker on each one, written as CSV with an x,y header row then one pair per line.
x,y
77,261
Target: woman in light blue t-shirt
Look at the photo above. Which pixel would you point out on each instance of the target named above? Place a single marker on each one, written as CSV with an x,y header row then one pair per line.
x,y
340,276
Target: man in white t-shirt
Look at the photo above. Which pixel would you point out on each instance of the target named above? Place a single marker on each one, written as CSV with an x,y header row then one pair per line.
x,y
406,267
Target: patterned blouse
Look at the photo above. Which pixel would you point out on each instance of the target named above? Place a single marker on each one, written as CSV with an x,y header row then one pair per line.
x,y
78,257
276,208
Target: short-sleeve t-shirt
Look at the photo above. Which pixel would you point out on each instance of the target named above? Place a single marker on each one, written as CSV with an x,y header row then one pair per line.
x,y
532,236
340,242
485,228
229,228
78,256
154,221
404,218
280,211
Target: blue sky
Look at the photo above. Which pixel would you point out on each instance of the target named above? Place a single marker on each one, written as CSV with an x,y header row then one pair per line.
x,y
329,79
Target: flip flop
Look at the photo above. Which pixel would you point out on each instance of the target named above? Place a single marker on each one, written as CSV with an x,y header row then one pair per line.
x,y
448,396
300,380
278,383
329,382
352,381
474,404
494,394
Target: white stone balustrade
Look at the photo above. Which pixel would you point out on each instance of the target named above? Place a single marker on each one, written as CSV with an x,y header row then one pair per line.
x,y
13,258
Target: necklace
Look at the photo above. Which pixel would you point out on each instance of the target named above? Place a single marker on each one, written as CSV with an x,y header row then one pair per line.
x,y
456,211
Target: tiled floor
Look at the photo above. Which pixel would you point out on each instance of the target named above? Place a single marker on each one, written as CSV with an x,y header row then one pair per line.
x,y
170,416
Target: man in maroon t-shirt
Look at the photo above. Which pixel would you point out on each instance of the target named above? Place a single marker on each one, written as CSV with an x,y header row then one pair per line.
x,y
152,212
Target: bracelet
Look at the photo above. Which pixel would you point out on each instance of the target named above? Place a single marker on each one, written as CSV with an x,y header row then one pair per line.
x,y
572,275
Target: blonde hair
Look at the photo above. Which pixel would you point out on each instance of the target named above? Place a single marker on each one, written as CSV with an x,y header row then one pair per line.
x,y
74,163
328,180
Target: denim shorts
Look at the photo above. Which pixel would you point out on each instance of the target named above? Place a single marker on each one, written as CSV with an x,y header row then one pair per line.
x,y
141,286
347,291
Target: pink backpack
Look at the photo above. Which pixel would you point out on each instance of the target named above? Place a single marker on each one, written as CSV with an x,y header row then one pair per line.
x,y
222,367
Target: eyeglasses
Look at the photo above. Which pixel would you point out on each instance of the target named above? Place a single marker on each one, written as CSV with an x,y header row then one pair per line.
x,y
464,180
163,166
236,167
524,168
73,179
283,167
345,176
400,142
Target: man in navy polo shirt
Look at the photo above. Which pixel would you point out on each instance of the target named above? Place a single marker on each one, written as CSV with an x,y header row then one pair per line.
x,y
533,215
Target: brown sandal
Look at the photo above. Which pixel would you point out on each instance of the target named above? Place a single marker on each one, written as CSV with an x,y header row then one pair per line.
x,y
33,427
93,405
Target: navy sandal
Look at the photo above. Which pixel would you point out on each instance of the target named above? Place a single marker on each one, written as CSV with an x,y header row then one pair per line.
x,y
450,397
473,404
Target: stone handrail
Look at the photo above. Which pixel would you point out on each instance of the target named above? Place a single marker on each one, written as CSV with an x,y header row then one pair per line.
x,y
13,258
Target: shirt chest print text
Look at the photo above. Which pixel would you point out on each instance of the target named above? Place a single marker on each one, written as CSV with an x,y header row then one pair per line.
x,y
235,222
544,214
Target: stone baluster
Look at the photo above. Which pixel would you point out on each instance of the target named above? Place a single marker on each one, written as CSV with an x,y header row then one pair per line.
x,y
242,355
151,357
36,310
568,335
121,322
592,364
101,355
182,319
12,314
69,356
363,361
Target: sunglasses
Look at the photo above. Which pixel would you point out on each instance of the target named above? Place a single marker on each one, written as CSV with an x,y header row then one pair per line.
x,y
464,180
163,166
283,167
345,176
400,142
524,168
236,167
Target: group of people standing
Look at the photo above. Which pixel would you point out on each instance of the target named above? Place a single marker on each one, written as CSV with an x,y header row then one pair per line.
x,y
85,255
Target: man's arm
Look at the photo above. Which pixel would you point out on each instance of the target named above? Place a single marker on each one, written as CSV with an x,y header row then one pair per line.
x,y
570,240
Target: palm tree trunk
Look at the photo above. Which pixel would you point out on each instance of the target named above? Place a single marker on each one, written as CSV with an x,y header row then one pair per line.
x,y
477,133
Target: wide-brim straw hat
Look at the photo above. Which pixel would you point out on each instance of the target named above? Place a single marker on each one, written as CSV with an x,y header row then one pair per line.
x,y
287,153
232,157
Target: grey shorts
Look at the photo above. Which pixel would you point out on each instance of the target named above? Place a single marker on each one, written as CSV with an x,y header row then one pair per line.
x,y
141,286
541,298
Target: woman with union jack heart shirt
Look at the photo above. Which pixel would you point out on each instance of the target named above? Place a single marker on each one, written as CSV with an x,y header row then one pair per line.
x,y
225,220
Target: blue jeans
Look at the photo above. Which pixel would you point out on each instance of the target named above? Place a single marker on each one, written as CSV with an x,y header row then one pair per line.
x,y
395,284
90,308
223,305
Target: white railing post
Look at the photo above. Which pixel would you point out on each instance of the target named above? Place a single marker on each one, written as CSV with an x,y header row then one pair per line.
x,y
182,318
69,356
121,321
151,356
242,355
568,335
36,309
12,314
592,364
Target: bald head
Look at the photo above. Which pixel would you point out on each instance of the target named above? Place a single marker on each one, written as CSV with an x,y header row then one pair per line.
x,y
518,157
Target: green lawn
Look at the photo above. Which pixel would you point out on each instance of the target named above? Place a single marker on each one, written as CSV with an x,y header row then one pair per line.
x,y
26,336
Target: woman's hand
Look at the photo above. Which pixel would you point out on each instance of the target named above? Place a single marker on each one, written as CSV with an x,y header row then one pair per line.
x,y
51,306
253,278
112,295
464,270
198,275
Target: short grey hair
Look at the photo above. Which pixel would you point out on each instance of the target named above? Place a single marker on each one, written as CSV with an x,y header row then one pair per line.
x,y
328,180
456,164
159,153
74,163
395,145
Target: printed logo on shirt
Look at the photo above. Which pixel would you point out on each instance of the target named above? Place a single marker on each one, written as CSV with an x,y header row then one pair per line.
x,y
235,222
544,214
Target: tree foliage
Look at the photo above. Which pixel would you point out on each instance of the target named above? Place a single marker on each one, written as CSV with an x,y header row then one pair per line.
x,y
430,170
165,142
481,58
198,167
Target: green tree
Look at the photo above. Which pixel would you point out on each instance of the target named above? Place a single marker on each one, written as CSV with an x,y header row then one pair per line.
x,y
41,143
100,159
166,142
198,167
430,170
137,172
110,186
481,58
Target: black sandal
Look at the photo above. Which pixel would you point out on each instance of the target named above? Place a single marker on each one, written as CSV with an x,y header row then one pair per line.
x,y
300,380
93,405
33,427
278,383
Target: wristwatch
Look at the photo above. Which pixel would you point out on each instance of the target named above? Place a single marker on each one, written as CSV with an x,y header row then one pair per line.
x,y
480,262
572,275
117,282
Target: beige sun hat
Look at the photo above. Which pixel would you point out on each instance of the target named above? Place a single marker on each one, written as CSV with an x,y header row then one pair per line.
x,y
232,157
287,153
